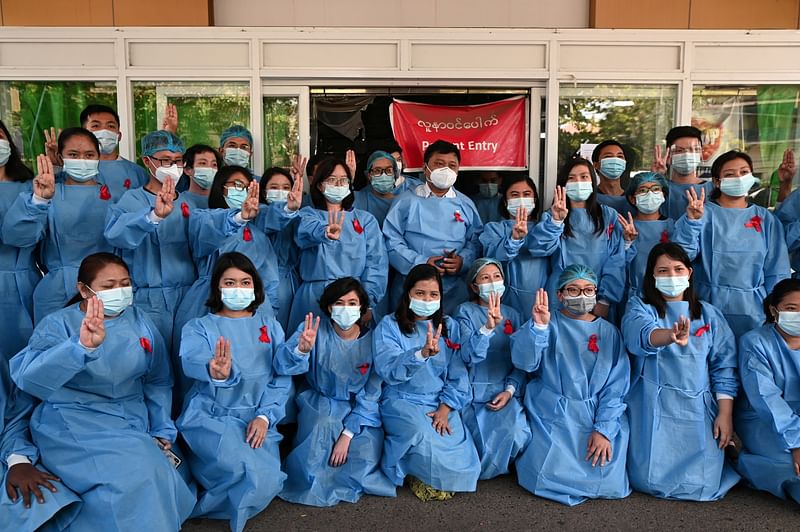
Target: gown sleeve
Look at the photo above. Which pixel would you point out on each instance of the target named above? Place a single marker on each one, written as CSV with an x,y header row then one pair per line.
x,y
545,238
529,344
197,349
611,400
722,363
14,434
401,257
288,360
499,245
456,392
393,363
638,324
612,278
365,413
158,388
375,277
276,393
475,344
25,224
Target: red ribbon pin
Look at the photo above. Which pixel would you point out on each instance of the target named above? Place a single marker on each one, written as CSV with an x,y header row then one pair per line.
x,y
357,226
755,223
702,330
593,347
664,237
104,193
363,368
610,230
185,209
127,184
247,236
451,344
264,338
508,328
457,216
145,343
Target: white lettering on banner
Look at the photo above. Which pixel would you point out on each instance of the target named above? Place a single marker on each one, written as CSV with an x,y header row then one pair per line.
x,y
469,146
475,123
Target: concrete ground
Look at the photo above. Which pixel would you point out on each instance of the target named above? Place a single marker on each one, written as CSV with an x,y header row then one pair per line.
x,y
500,504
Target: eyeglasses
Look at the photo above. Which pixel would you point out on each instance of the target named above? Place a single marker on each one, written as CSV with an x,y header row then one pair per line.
x,y
654,188
238,185
336,181
574,291
375,172
167,162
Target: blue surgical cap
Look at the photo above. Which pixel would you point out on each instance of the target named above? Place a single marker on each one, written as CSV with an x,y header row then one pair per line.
x,y
236,131
647,177
478,265
161,140
380,155
574,272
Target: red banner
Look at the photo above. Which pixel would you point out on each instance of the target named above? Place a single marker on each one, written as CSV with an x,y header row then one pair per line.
x,y
491,136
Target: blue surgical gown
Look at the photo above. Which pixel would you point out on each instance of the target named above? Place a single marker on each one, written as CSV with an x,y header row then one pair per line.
x,y
18,278
676,203
359,252
526,266
343,392
789,214
194,201
651,232
618,203
287,255
499,435
68,228
99,413
121,175
239,481
573,392
672,403
413,388
378,206
418,228
739,257
767,414
488,208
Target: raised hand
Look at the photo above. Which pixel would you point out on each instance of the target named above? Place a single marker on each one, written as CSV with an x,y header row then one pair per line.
x,y
541,308
350,160
51,144
219,367
680,331
165,199
559,209
431,347
494,316
250,205
93,329
170,122
309,334
298,169
629,232
256,432
697,205
788,167
520,230
659,162
333,231
44,184
295,199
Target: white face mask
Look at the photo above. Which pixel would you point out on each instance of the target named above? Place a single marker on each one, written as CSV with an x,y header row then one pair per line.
x,y
163,172
514,204
443,178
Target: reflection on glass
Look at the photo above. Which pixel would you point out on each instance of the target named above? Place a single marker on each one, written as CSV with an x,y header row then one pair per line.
x,y
205,109
761,120
29,107
638,116
281,130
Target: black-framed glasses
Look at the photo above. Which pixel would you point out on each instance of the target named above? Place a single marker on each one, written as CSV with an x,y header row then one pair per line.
x,y
574,291
167,161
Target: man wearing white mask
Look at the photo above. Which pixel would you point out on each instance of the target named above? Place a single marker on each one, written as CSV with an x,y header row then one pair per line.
x,y
117,173
679,164
149,226
436,225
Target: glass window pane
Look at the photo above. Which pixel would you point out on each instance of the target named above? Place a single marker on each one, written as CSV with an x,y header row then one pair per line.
x,y
761,120
205,108
281,130
29,107
638,116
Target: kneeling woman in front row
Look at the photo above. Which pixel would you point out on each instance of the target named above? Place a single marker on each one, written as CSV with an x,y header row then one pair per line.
x,y
425,386
575,399
103,375
236,401
339,437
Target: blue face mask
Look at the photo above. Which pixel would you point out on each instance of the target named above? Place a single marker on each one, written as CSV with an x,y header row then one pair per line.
x,y
488,190
5,151
336,194
514,204
649,202
236,157
108,140
115,300
579,190
238,298
685,163
204,177
81,170
496,287
612,167
672,286
345,316
737,186
383,183
275,195
424,309
235,198
789,322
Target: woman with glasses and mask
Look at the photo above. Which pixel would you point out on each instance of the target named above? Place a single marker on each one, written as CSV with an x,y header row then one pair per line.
x,y
102,373
738,249
767,415
684,380
336,241
575,398
384,184
65,218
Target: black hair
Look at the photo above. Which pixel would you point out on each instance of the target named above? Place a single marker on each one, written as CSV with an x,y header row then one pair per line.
x,y
719,162
652,295
237,260
405,318
91,266
510,180
324,169
313,161
216,194
605,144
77,132
392,146
195,150
95,109
340,287
779,292
593,207
15,168
268,174
680,132
441,147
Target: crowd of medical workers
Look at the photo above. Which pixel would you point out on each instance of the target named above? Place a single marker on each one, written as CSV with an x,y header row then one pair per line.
x,y
166,325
